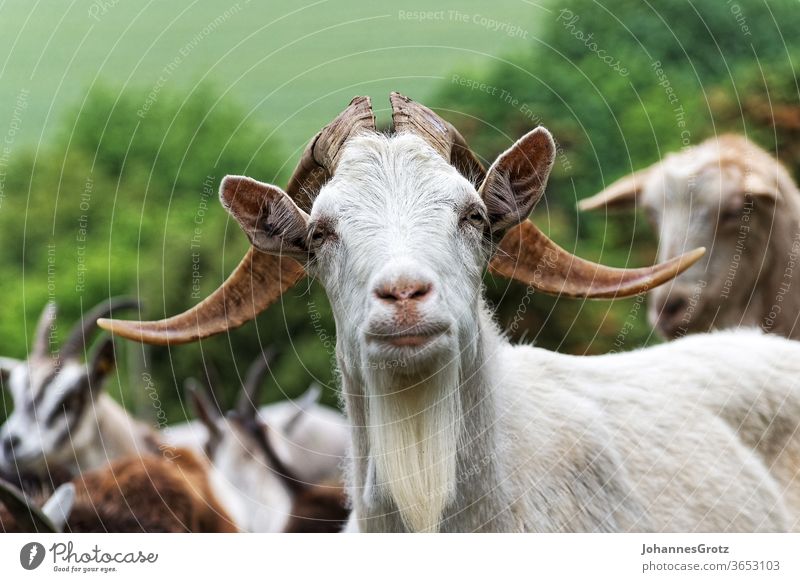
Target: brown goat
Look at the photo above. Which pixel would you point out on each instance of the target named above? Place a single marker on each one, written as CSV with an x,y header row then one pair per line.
x,y
319,509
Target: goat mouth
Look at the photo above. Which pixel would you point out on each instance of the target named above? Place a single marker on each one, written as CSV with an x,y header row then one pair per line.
x,y
20,461
408,339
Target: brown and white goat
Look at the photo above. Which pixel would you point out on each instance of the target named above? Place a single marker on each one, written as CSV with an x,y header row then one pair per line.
x,y
136,494
62,416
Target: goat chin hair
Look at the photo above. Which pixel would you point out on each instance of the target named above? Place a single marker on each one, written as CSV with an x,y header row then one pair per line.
x,y
414,431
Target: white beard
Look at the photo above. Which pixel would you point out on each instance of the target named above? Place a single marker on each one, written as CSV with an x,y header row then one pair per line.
x,y
414,430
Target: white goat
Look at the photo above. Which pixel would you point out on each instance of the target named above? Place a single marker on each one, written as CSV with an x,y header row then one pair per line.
x,y
274,482
310,437
453,428
63,417
733,197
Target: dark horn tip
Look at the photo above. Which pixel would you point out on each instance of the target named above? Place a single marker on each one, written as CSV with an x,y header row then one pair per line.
x,y
124,302
361,99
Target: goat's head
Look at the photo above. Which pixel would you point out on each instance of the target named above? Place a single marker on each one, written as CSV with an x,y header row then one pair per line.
x,y
399,236
721,194
53,393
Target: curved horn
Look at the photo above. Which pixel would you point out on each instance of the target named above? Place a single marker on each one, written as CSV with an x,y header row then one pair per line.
x,y
75,344
247,404
260,279
527,255
44,328
254,285
321,156
411,117
304,403
246,414
205,408
59,507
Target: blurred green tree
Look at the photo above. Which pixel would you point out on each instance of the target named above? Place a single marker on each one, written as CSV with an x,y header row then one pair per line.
x,y
124,202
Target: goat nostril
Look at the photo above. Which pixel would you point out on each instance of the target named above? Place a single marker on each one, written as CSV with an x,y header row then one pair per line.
x,y
385,294
419,292
673,306
413,291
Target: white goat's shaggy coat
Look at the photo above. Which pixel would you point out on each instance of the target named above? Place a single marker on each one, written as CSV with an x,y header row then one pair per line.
x,y
698,435
454,429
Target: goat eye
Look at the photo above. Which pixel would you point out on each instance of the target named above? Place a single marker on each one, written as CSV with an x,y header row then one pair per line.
x,y
475,218
318,235
69,405
730,216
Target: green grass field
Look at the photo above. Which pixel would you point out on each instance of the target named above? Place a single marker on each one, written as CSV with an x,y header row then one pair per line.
x,y
295,64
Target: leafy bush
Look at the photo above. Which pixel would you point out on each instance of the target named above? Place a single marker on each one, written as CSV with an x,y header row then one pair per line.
x,y
124,202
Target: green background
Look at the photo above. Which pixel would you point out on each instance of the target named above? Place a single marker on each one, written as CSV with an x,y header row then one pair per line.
x,y
238,88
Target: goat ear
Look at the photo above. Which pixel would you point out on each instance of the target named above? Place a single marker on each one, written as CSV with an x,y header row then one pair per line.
x,y
268,216
59,507
102,363
517,179
621,195
758,186
6,366
304,403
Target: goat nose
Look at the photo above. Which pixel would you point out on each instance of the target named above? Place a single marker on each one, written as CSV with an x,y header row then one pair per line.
x,y
403,291
674,306
9,444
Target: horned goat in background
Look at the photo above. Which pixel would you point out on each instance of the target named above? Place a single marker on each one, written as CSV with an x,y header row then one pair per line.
x,y
277,483
310,437
734,198
452,427
61,414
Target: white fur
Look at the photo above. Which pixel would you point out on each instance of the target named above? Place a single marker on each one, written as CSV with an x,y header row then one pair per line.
x,y
414,435
314,447
697,435
249,487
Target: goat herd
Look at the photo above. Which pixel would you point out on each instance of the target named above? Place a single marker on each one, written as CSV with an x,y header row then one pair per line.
x,y
448,426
